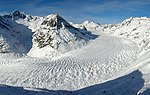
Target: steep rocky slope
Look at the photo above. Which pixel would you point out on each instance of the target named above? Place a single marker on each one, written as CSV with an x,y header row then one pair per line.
x,y
9,37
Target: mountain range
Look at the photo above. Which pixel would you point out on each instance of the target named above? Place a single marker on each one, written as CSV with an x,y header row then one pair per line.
x,y
51,56
40,36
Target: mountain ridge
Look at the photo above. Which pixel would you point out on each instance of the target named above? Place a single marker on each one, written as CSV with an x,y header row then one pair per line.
x,y
52,33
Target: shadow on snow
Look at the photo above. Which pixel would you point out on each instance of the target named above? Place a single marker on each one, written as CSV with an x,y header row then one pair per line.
x,y
127,85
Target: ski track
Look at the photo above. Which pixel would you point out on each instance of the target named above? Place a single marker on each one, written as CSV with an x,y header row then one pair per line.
x,y
95,63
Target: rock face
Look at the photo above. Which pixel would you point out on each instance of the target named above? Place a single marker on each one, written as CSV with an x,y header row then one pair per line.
x,y
55,21
3,24
56,36
15,15
4,47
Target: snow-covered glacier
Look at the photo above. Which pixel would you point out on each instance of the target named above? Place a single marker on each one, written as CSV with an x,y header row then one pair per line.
x,y
50,56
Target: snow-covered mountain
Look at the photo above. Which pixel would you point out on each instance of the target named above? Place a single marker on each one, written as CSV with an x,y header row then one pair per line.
x,y
90,26
55,36
136,29
52,35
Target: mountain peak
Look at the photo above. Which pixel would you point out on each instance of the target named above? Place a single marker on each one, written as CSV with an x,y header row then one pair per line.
x,y
15,15
53,15
17,12
55,36
55,21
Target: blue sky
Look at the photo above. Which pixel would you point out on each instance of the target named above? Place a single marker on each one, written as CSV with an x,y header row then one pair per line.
x,y
101,11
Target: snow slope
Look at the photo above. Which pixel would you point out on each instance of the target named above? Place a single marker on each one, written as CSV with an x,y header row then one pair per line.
x,y
136,29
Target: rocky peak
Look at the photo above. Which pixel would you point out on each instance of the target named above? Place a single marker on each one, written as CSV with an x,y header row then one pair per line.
x,y
15,15
55,21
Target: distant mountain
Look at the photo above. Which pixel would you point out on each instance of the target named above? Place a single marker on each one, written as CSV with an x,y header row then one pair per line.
x,y
52,35
90,26
136,29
